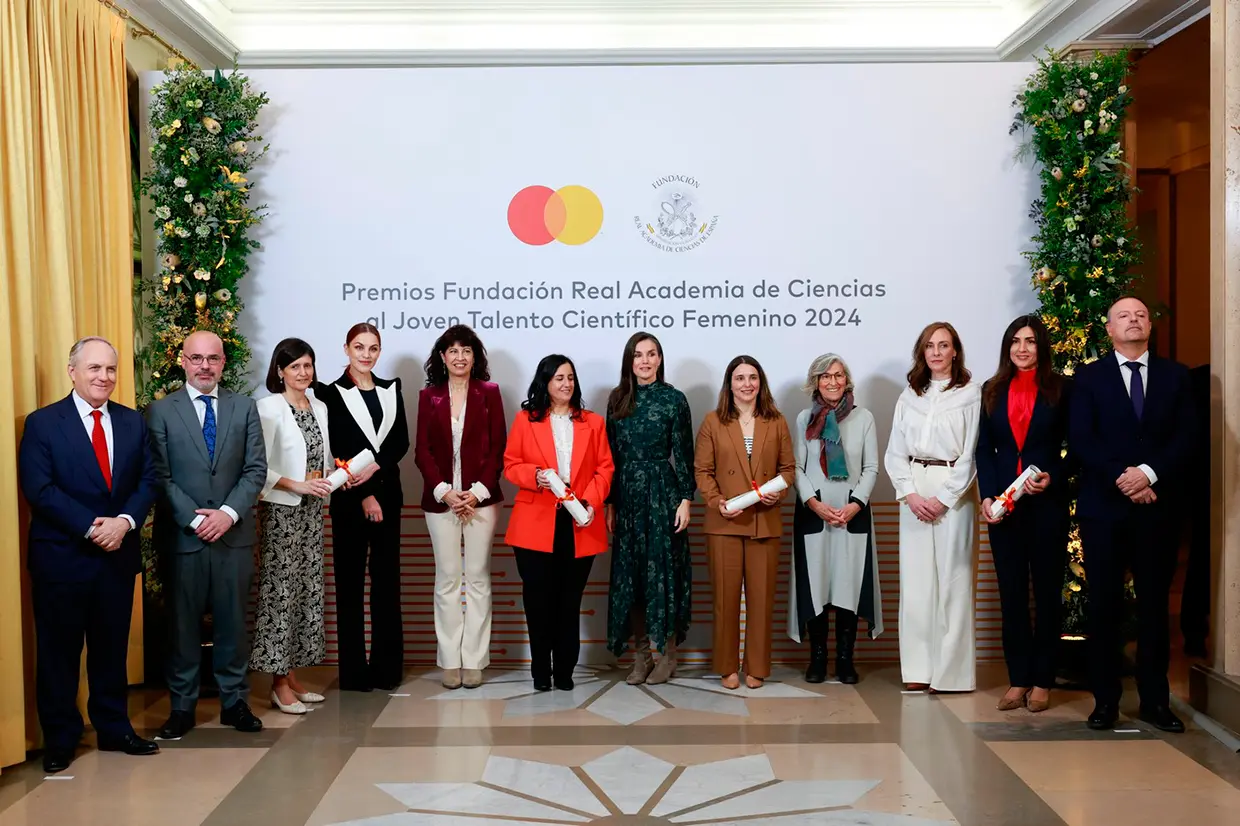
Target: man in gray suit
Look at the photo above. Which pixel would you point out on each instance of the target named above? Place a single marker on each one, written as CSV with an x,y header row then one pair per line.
x,y
207,445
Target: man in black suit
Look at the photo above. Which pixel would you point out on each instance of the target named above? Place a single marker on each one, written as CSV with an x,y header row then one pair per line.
x,y
86,472
1133,427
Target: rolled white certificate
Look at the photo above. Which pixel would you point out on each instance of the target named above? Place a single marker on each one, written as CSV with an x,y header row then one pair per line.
x,y
352,467
748,500
567,498
1007,499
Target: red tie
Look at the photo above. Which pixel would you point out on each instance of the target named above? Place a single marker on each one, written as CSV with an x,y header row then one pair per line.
x,y
100,443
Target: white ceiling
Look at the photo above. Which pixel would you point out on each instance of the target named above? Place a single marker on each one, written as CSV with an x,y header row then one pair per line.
x,y
475,32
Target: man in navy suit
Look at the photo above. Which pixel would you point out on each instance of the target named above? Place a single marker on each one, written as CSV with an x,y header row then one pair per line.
x,y
85,469
1132,425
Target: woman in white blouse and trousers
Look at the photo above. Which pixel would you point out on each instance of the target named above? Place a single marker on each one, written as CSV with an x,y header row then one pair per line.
x,y
930,462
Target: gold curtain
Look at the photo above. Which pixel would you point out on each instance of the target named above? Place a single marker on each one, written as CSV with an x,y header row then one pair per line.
x,y
65,262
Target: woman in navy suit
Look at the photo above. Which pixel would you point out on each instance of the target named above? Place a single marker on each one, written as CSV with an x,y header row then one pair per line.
x,y
460,452
1025,422
365,412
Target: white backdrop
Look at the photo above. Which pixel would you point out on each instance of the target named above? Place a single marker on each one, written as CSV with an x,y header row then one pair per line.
x,y
852,204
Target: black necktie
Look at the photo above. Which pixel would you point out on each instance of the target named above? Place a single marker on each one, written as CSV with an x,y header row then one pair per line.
x,y
1137,388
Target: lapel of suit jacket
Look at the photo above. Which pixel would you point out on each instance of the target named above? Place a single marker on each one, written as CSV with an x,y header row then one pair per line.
x,y
737,437
1159,379
223,418
75,436
1000,415
475,413
185,408
122,442
387,400
1119,385
581,437
546,442
761,430
356,405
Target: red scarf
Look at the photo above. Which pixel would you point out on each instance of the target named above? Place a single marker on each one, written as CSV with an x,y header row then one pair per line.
x,y
1022,395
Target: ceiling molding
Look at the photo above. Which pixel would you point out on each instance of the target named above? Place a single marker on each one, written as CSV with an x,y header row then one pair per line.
x,y
201,38
594,57
307,33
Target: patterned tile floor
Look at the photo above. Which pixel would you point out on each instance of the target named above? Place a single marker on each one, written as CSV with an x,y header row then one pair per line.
x,y
687,753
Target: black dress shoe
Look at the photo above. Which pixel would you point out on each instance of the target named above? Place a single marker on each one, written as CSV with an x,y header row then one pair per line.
x,y
179,722
564,683
542,683
239,716
1104,717
130,744
1163,719
57,760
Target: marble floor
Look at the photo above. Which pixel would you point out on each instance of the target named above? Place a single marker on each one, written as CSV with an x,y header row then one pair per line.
x,y
687,753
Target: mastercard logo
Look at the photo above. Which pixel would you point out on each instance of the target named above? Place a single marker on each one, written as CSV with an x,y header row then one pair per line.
x,y
538,215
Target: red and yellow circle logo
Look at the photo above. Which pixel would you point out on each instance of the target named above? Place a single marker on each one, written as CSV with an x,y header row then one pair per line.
x,y
538,215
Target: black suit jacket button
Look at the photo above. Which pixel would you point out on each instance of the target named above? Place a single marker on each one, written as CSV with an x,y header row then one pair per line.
x,y
210,501
213,473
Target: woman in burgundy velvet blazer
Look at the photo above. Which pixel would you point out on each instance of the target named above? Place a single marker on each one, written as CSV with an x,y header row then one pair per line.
x,y
460,452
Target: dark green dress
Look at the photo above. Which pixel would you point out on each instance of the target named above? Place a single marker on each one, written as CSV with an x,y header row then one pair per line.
x,y
650,565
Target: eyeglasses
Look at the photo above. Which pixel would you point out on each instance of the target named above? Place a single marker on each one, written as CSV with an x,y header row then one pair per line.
x,y
835,378
197,359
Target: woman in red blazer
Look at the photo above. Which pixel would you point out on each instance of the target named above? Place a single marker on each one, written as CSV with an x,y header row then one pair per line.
x,y
459,450
553,434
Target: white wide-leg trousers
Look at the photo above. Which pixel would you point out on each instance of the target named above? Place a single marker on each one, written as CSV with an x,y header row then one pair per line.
x,y
937,626
464,637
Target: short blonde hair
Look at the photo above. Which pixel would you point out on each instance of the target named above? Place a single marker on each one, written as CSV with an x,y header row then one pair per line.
x,y
819,366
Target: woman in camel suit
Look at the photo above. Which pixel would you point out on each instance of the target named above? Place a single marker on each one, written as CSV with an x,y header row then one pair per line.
x,y
743,443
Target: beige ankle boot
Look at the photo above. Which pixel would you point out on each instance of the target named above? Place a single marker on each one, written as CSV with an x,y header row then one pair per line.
x,y
641,663
665,668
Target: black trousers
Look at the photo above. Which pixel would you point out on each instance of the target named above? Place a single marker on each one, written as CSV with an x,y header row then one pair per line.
x,y
552,585
1146,541
98,612
357,545
1195,605
1031,544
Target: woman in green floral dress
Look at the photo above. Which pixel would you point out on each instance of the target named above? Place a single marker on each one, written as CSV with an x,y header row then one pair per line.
x,y
651,435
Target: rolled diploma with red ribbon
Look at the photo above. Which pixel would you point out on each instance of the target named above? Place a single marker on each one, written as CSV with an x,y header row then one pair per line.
x,y
567,498
751,498
351,468
1007,500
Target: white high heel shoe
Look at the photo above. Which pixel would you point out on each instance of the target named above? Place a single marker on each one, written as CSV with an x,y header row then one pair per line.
x,y
310,697
294,708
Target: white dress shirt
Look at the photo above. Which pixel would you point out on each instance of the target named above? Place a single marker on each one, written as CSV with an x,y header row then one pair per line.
x,y
84,411
562,434
939,424
201,409
1144,361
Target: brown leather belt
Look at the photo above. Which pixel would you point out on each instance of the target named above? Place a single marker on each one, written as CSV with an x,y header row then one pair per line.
x,y
932,462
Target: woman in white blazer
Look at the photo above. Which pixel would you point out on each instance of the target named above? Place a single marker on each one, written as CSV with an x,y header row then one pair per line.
x,y
288,621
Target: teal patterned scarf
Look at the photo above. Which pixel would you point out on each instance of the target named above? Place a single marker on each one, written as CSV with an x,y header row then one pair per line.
x,y
824,425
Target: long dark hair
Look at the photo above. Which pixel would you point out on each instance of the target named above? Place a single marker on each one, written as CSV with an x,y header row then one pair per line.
x,y
538,398
623,398
464,335
919,374
1049,382
287,351
764,406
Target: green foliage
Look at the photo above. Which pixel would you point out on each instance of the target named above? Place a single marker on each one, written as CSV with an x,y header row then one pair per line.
x,y
1073,114
204,142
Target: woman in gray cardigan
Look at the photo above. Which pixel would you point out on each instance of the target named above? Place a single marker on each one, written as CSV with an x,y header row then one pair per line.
x,y
834,552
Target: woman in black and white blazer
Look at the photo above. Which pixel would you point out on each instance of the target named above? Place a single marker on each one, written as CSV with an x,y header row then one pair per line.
x,y
367,413
288,619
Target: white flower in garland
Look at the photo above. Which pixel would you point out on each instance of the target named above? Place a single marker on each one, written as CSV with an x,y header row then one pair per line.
x,y
189,198
202,275
1078,105
182,232
203,230
163,213
180,182
199,209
